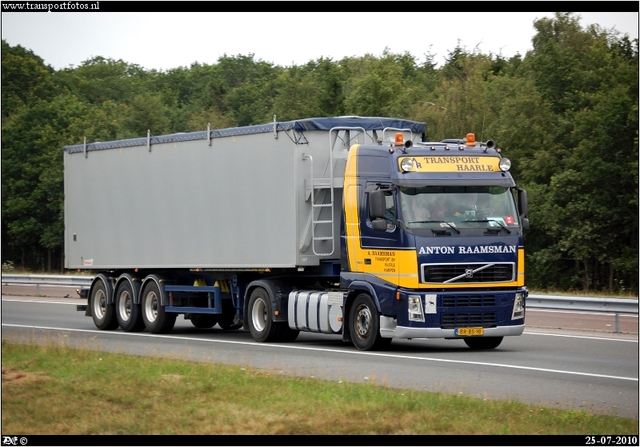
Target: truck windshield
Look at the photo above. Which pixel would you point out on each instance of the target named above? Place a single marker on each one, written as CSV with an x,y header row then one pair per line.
x,y
459,206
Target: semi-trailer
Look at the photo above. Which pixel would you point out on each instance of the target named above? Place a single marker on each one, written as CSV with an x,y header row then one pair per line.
x,y
337,225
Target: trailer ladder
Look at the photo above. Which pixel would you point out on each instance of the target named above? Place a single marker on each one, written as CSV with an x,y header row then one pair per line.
x,y
321,190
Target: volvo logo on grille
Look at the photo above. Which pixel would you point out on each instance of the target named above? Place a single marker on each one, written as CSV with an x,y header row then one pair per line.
x,y
468,272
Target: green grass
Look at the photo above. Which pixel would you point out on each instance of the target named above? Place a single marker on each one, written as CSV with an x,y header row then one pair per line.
x,y
59,390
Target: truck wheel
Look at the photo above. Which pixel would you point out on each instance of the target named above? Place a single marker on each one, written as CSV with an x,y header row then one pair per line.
x,y
227,317
203,321
156,320
364,321
104,316
128,313
483,342
261,327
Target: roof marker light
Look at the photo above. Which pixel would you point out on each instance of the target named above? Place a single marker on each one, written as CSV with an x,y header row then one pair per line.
x,y
471,139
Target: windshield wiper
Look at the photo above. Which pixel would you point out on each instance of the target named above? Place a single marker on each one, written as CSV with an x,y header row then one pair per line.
x,y
490,220
438,221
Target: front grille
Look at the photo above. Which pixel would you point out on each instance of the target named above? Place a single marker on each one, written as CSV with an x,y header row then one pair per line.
x,y
475,319
476,300
467,273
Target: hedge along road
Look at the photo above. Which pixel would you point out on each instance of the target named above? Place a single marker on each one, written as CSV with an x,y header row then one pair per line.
x,y
591,371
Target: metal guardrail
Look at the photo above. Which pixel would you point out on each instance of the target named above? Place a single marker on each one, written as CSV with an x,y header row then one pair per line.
x,y
47,280
616,306
611,305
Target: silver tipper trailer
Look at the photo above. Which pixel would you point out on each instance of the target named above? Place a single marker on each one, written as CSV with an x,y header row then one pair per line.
x,y
266,196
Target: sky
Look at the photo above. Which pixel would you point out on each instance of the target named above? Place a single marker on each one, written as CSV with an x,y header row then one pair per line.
x,y
166,40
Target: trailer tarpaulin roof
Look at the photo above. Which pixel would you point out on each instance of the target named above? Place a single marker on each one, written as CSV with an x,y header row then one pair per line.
x,y
302,125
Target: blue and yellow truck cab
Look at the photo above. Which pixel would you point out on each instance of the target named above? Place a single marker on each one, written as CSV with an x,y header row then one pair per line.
x,y
433,239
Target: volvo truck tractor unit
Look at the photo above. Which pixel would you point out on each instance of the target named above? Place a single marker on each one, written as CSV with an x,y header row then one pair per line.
x,y
353,226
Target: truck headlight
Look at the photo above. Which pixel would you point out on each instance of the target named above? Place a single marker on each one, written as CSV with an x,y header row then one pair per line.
x,y
518,306
407,164
416,313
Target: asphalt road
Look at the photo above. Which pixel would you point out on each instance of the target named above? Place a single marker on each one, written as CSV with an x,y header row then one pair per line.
x,y
592,370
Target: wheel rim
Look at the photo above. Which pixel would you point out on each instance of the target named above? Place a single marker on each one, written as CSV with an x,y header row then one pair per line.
x,y
151,306
124,305
363,322
100,304
259,315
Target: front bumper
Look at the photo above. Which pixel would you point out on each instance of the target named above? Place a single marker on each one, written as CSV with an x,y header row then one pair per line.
x,y
389,329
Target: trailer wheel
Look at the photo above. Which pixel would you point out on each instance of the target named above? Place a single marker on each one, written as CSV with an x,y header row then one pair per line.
x,y
364,321
156,320
261,327
128,313
483,342
103,314
203,321
227,317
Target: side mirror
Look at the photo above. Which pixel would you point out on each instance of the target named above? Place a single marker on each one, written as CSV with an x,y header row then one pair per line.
x,y
377,205
523,204
378,210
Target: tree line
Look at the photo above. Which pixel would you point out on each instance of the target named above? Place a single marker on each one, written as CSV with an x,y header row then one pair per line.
x,y
566,114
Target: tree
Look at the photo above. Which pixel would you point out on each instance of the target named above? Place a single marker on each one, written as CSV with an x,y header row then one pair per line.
x,y
330,79
99,79
32,189
589,79
146,111
25,79
297,95
385,86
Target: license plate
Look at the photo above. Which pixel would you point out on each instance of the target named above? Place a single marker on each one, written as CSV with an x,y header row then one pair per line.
x,y
469,331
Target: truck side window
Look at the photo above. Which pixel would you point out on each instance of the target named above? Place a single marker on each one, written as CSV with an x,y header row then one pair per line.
x,y
390,213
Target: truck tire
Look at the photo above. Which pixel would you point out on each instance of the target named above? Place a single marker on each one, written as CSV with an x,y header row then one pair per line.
x,y
103,314
483,342
156,320
128,313
261,326
227,317
364,321
203,321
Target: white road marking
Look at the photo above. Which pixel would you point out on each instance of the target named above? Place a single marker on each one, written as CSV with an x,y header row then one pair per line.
x,y
333,351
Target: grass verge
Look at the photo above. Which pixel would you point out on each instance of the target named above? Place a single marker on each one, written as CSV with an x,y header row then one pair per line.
x,y
64,391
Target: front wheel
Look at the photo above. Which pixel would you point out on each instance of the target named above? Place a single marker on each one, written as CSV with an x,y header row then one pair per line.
x,y
483,342
364,322
156,320
103,314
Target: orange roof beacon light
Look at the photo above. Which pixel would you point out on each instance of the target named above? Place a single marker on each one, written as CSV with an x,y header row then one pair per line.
x,y
471,139
399,139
